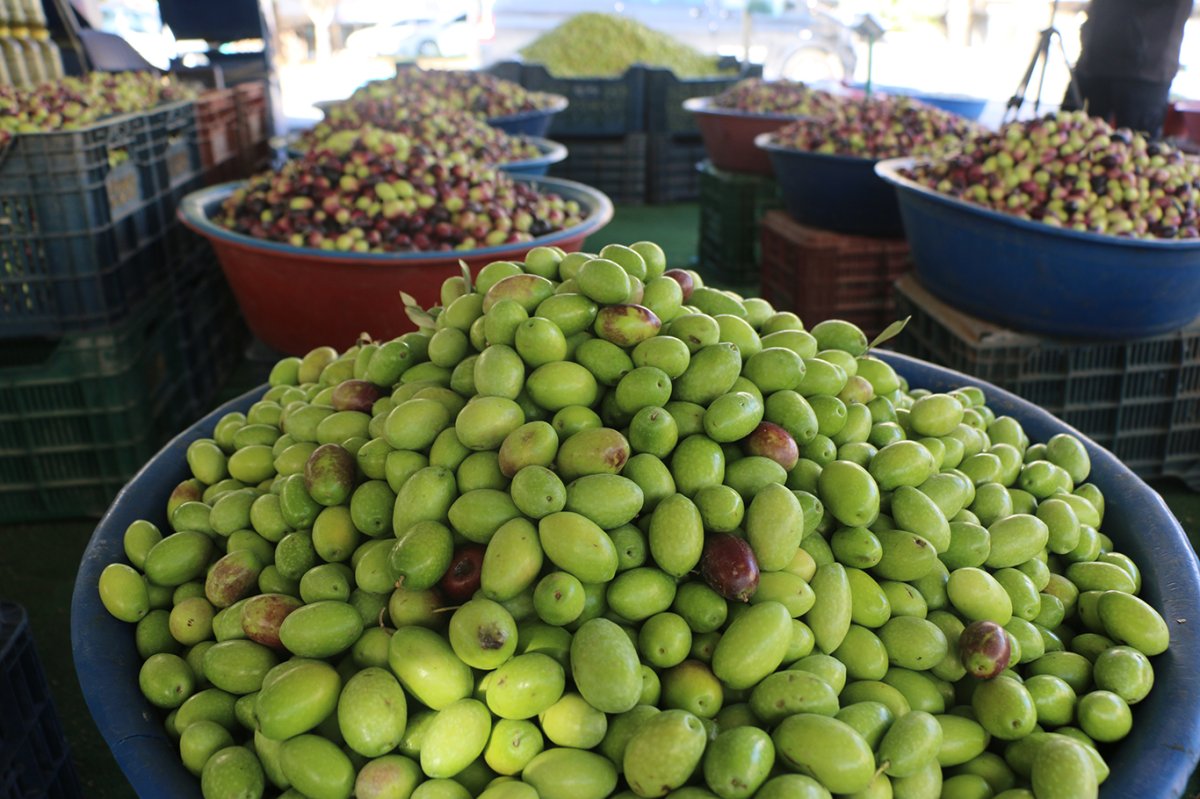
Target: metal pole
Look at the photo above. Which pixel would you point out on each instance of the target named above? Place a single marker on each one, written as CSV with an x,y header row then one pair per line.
x,y
71,25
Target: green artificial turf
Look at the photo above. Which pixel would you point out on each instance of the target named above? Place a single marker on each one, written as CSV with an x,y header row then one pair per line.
x,y
672,227
39,562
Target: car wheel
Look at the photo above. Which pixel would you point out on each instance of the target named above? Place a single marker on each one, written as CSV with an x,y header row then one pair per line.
x,y
429,49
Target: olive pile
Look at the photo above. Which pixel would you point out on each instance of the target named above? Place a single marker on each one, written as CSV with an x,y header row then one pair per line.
x,y
879,127
758,96
370,191
614,44
441,131
596,530
1077,172
475,92
74,102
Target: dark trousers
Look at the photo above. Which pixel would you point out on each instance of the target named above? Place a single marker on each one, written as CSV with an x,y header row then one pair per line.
x,y
1125,102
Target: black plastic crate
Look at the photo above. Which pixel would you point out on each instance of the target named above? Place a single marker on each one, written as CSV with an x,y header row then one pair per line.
x,y
79,415
213,332
1140,399
732,206
506,70
665,93
597,106
79,219
671,161
179,241
34,758
614,165
175,145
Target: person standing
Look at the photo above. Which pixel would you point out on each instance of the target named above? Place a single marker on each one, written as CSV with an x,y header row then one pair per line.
x,y
1129,57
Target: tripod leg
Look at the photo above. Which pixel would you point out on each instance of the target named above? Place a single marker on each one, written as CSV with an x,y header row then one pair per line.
x,y
1040,52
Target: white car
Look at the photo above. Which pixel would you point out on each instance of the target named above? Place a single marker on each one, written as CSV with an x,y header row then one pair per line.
x,y
411,38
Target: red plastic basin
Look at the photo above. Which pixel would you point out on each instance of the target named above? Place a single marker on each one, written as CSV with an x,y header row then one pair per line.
x,y
298,298
729,135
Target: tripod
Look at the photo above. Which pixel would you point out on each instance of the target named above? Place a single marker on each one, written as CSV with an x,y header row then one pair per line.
x,y
1041,58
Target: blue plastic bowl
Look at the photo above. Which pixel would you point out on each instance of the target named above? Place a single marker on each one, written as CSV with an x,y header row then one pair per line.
x,y
1154,761
961,104
530,123
1040,279
551,152
841,193
966,107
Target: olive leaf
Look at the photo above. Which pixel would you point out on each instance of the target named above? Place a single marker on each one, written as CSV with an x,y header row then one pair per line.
x,y
416,314
889,332
466,274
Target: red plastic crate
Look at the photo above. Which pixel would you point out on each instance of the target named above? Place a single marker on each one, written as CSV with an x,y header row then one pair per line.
x,y
822,275
217,131
254,128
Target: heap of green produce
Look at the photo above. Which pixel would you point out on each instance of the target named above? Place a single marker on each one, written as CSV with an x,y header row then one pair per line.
x,y
475,92
599,530
879,127
441,130
367,190
606,45
1074,171
74,102
757,96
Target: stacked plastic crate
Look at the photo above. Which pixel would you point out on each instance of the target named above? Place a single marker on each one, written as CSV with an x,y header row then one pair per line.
x,y
1139,398
820,274
254,125
673,145
603,127
218,132
92,379
34,758
732,206
628,136
233,129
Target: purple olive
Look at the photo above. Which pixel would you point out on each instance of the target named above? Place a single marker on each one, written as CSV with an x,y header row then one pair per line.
x,y
984,649
729,567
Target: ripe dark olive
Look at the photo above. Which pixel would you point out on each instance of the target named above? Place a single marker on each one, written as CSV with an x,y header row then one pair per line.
x,y
984,649
729,567
461,580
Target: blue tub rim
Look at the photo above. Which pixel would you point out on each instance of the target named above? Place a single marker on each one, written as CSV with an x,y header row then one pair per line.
x,y
195,210
549,152
558,103
889,170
